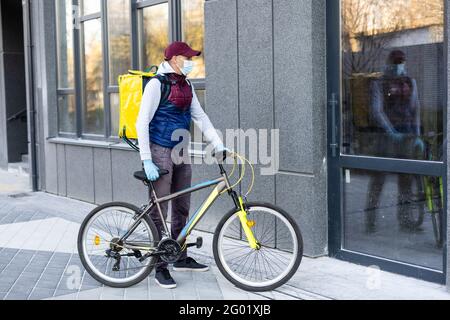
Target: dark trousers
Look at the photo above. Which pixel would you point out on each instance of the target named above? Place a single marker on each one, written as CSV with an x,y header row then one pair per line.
x,y
178,179
386,147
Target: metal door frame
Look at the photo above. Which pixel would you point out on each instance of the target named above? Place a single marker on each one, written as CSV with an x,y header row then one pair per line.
x,y
337,161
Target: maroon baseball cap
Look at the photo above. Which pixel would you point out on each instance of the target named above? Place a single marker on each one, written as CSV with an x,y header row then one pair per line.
x,y
180,49
396,57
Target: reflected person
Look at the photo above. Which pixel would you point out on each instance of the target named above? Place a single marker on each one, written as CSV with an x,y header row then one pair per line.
x,y
395,108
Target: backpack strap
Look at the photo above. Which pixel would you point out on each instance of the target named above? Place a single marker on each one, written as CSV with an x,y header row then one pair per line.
x,y
189,82
166,85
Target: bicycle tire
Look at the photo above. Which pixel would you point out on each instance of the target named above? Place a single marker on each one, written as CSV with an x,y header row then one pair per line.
x,y
91,272
291,272
420,204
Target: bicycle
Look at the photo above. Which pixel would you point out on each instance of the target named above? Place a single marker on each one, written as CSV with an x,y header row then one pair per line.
x,y
434,189
257,246
429,194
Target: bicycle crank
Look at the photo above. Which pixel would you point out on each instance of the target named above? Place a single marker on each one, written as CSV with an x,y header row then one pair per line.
x,y
198,243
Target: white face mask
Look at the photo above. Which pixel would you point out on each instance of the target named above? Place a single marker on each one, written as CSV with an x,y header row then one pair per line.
x,y
188,67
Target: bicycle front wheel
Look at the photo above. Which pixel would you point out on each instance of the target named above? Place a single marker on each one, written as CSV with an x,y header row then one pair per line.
x,y
269,267
108,260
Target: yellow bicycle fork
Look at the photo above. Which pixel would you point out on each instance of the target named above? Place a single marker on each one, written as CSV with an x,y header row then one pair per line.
x,y
247,225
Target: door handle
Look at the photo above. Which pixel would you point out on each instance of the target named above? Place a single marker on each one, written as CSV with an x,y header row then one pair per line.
x,y
333,103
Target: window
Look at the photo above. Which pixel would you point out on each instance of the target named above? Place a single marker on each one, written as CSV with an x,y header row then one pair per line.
x,y
155,34
119,39
120,55
105,39
393,78
65,78
193,31
93,112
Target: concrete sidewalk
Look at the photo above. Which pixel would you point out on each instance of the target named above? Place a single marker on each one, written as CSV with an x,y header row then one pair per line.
x,y
39,260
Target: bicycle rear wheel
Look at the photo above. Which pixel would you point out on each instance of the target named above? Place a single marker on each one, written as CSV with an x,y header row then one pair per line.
x,y
412,210
104,257
269,267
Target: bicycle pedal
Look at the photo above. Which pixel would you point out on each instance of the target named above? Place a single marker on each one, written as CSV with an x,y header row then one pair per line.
x,y
198,243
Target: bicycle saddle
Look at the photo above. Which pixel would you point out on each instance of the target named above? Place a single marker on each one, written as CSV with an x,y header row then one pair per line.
x,y
141,176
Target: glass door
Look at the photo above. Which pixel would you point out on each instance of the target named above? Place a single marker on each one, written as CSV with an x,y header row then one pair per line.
x,y
387,110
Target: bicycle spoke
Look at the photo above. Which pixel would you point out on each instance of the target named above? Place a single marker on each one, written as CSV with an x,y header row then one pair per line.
x,y
267,265
110,226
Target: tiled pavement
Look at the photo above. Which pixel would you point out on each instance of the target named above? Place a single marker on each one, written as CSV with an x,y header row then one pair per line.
x,y
39,260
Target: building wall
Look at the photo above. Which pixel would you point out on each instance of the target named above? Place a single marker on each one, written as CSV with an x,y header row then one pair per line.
x,y
266,69
264,58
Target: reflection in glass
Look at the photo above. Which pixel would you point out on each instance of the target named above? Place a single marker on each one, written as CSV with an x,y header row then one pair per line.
x,y
394,216
393,78
90,6
155,34
66,114
115,114
93,78
193,32
119,31
64,23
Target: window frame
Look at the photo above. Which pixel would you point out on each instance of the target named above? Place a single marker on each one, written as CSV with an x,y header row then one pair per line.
x,y
63,91
175,34
82,71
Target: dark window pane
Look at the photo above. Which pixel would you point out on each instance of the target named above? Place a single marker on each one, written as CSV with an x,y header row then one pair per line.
x,y
64,25
66,114
393,78
93,78
193,22
394,216
155,29
119,31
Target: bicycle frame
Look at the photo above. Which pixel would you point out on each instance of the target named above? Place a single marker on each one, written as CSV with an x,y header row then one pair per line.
x,y
221,184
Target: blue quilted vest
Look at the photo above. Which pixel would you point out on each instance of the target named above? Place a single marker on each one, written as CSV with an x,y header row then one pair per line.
x,y
168,117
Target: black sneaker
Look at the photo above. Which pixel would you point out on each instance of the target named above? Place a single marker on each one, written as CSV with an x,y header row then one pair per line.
x,y
165,280
189,264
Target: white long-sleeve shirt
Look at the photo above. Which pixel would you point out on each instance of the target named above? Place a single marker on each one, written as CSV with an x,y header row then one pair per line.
x,y
149,105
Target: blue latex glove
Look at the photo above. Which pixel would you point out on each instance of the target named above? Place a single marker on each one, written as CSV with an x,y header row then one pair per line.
x,y
419,145
151,170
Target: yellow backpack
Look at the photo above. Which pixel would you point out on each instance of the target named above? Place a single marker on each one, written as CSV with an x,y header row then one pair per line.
x,y
131,89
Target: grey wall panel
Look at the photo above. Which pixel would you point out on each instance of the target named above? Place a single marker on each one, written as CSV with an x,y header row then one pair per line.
x,y
44,76
125,187
222,94
293,81
103,176
319,114
319,106
256,107
221,64
296,195
61,172
51,169
80,173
